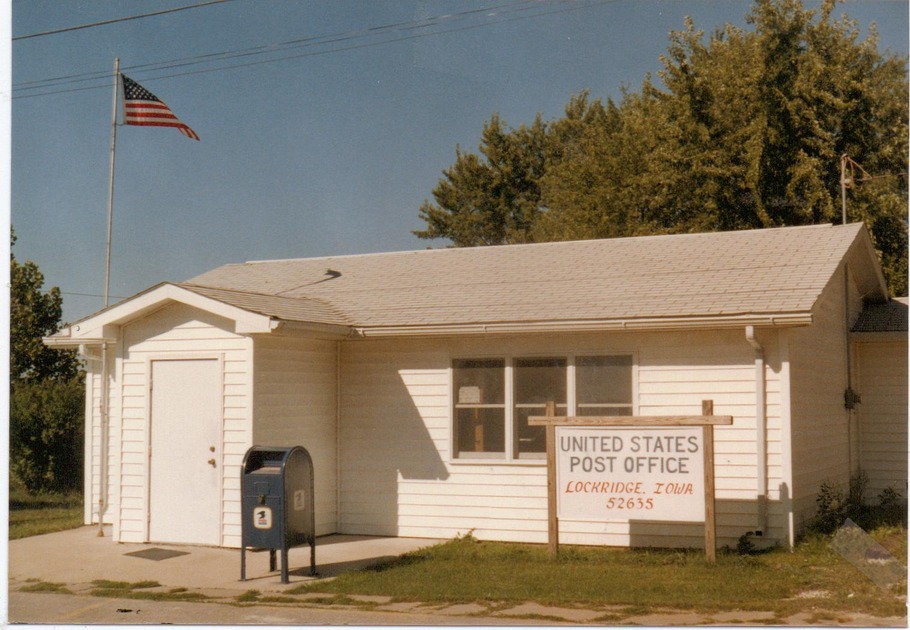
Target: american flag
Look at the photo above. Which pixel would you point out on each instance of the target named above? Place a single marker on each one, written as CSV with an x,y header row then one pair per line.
x,y
144,108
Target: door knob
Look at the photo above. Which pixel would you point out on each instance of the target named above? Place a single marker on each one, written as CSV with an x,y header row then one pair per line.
x,y
212,462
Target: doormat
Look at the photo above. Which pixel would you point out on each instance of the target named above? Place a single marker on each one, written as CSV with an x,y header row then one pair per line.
x,y
157,554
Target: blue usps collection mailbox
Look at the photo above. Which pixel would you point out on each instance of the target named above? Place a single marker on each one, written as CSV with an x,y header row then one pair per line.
x,y
278,504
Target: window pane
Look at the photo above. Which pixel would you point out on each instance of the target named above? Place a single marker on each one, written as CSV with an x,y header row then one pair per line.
x,y
537,381
603,380
532,439
540,381
480,431
479,406
480,381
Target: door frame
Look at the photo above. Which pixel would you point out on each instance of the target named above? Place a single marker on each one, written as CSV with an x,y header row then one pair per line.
x,y
183,356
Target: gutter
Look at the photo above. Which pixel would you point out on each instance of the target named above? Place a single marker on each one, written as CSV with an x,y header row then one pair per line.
x,y
75,342
602,325
761,421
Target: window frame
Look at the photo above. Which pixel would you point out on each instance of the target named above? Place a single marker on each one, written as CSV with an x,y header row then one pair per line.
x,y
455,406
510,455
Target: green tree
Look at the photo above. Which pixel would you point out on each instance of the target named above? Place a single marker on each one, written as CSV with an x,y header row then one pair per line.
x,y
35,314
493,200
46,388
746,130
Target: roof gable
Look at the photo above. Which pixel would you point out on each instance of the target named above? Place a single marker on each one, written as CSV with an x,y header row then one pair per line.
x,y
102,326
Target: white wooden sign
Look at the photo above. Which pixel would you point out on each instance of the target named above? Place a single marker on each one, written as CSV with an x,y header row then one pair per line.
x,y
636,457
647,474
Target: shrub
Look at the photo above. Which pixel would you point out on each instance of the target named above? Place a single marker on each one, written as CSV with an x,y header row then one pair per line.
x,y
835,504
46,434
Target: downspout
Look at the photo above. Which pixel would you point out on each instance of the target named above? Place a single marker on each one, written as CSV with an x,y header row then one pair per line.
x,y
851,398
761,447
338,527
103,446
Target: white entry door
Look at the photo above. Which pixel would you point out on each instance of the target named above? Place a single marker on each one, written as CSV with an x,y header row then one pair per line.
x,y
185,458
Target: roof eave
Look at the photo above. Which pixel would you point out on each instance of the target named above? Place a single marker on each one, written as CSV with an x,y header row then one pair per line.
x,y
776,320
103,327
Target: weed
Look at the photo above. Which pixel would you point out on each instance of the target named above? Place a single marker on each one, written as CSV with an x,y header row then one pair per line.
x,y
332,600
45,587
137,590
125,585
146,595
249,596
835,504
110,584
278,599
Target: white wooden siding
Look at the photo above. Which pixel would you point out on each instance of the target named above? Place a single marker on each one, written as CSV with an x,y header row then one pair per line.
x,y
180,331
295,404
397,477
882,382
820,424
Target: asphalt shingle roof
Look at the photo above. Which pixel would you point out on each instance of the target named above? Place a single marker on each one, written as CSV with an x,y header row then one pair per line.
x,y
888,317
292,309
758,272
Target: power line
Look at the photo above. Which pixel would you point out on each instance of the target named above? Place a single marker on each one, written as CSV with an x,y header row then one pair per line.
x,y
307,42
316,40
119,297
115,20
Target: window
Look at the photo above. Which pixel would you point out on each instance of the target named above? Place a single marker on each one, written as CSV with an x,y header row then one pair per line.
x,y
603,386
537,381
480,410
494,397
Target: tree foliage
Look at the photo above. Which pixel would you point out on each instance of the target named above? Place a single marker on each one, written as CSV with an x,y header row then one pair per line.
x,y
46,388
35,314
46,434
745,130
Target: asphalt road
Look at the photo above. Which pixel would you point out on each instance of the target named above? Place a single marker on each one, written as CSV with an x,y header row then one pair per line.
x,y
64,609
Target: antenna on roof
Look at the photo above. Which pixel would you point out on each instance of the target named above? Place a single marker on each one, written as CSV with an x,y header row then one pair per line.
x,y
849,179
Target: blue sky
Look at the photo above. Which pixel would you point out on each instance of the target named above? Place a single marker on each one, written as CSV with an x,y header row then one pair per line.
x,y
328,150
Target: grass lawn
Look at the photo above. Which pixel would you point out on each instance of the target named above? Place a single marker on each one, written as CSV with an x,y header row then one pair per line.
x,y
813,577
30,515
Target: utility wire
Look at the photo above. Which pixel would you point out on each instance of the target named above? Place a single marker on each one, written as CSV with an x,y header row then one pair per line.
x,y
116,20
119,297
273,48
267,48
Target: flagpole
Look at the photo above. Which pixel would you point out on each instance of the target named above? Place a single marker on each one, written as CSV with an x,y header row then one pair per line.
x,y
105,391
110,197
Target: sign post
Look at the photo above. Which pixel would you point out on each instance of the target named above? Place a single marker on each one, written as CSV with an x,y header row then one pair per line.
x,y
707,409
649,468
552,509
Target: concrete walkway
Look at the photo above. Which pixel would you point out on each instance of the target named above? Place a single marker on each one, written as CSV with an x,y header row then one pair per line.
x,y
81,556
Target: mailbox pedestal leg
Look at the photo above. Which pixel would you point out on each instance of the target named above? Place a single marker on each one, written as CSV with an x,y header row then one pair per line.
x,y
272,566
243,563
284,565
